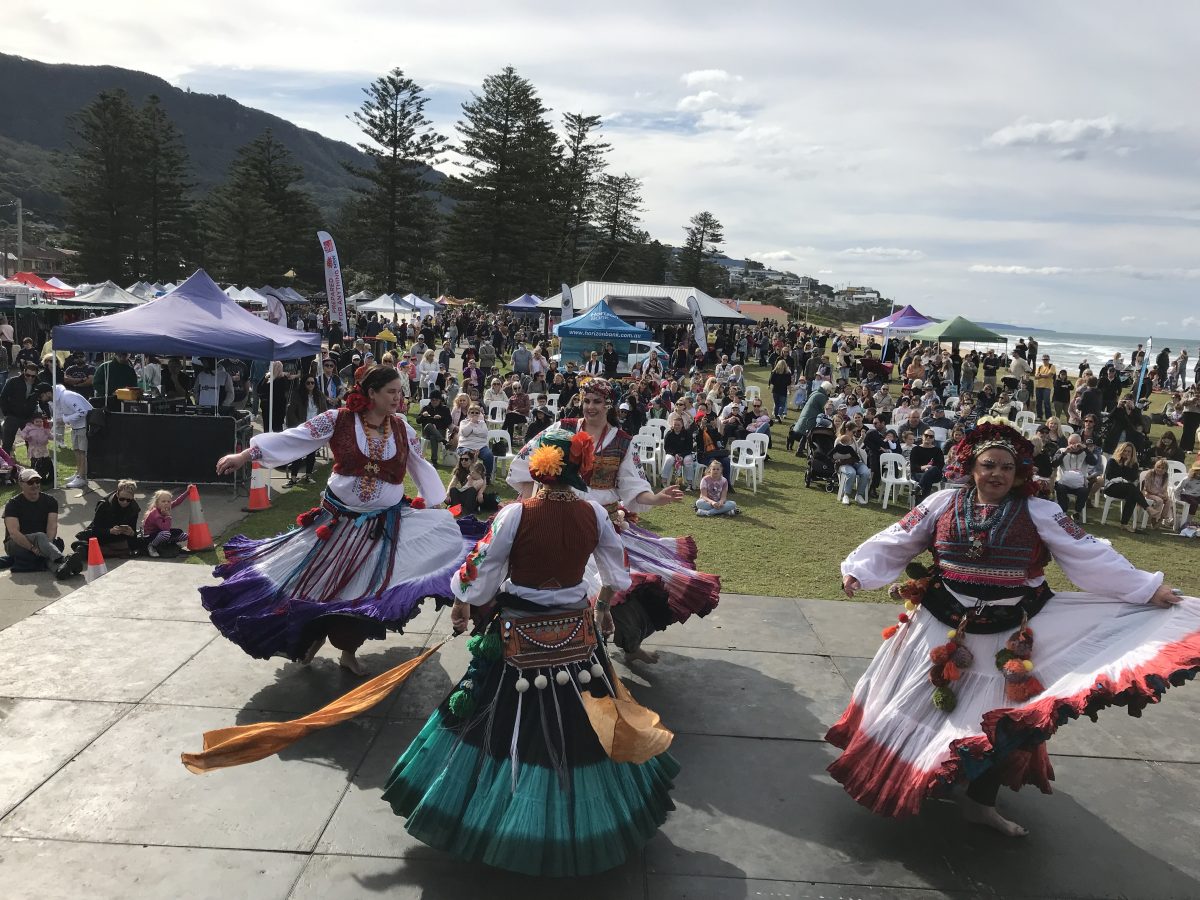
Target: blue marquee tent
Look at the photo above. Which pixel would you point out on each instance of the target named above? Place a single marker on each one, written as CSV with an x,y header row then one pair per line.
x,y
601,323
195,319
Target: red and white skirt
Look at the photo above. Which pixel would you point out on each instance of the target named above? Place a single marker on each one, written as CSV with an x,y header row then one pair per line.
x,y
1090,652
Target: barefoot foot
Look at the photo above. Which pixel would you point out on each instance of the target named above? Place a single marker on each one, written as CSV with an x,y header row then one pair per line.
x,y
312,651
350,662
641,655
987,815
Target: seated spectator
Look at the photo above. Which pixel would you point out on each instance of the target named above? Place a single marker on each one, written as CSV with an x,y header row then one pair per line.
x,y
473,437
540,418
912,424
468,485
114,522
679,450
1167,448
158,532
1005,407
434,422
1074,463
31,531
854,475
710,445
1122,480
714,493
926,463
1188,491
1155,487
1053,435
936,417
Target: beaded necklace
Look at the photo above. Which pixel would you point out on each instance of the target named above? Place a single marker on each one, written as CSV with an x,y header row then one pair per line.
x,y
376,446
981,529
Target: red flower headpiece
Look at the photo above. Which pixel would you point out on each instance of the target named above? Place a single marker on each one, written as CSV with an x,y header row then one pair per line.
x,y
356,399
992,432
583,453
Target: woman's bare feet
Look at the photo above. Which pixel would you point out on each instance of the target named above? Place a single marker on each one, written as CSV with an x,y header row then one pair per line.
x,y
312,651
641,655
350,662
979,814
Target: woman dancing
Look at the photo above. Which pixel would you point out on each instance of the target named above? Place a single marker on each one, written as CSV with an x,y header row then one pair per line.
x,y
986,661
510,770
666,586
361,562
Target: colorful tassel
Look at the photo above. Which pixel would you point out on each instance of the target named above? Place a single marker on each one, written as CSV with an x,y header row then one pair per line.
x,y
324,532
890,632
486,646
951,671
944,699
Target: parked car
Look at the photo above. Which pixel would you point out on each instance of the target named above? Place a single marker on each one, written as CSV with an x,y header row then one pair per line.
x,y
639,352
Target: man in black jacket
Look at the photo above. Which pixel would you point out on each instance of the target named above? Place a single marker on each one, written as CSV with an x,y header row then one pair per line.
x,y
434,420
610,361
19,403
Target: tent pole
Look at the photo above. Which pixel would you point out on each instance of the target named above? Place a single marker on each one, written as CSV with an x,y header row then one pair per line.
x,y
271,417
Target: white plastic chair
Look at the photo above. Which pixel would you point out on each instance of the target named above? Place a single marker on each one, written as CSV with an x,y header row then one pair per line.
x,y
893,477
1019,406
1065,430
647,451
742,461
496,412
953,402
759,443
424,402
753,392
660,424
939,434
1022,419
499,434
552,404
1137,511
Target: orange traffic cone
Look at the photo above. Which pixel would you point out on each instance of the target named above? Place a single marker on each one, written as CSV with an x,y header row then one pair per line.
x,y
260,497
199,537
96,564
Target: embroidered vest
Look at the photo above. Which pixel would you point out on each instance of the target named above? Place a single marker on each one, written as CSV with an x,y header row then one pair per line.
x,y
608,460
348,459
1013,554
553,543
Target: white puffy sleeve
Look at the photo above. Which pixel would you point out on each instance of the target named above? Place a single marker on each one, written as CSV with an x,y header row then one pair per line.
x,y
610,552
881,558
1093,565
424,475
279,448
480,576
631,480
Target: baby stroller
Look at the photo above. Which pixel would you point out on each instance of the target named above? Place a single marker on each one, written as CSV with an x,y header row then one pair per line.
x,y
821,466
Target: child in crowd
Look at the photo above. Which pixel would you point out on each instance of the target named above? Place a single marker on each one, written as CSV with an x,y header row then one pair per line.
x,y
157,528
36,435
1188,491
8,468
714,493
907,442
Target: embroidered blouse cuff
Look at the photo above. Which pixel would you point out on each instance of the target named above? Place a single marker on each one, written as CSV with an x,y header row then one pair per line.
x,y
255,454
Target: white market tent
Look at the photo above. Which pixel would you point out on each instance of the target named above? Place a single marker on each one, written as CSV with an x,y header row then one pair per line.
x,y
107,294
385,304
587,294
59,283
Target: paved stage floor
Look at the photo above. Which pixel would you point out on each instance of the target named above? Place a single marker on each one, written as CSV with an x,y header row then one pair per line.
x,y
104,688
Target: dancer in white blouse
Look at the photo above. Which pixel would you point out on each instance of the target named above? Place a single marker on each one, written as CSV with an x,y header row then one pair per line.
x,y
361,562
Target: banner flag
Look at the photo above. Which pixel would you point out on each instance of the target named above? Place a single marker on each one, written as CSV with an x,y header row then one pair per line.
x,y
568,304
698,323
333,282
1142,367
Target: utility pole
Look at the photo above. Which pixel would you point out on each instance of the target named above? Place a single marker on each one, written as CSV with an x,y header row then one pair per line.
x,y
20,234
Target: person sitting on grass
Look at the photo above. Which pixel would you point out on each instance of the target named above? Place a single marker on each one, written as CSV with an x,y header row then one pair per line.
x,y
114,523
162,539
714,493
31,531
468,484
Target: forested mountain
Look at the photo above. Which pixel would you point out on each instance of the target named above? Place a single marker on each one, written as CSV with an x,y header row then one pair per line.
x,y
37,99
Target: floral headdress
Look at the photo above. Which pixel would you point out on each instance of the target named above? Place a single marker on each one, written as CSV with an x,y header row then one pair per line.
x,y
995,431
596,385
563,457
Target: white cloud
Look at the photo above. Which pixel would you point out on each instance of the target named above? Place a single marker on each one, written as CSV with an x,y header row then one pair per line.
x,y
705,76
1191,322
885,254
1128,319
1072,154
824,271
722,118
697,102
1024,133
1042,310
1140,273
1162,324
774,255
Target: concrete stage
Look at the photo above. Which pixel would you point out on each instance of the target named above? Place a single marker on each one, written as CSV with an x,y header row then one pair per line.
x,y
104,688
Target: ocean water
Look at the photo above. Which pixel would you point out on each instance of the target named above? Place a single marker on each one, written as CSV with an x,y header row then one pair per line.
x,y
1068,350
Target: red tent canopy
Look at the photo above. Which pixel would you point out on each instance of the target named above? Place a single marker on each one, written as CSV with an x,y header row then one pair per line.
x,y
33,281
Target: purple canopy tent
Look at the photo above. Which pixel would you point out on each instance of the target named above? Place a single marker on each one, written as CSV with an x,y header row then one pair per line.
x,y
902,321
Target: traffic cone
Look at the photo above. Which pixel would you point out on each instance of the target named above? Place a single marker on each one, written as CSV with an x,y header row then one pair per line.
x,y
260,498
96,564
199,537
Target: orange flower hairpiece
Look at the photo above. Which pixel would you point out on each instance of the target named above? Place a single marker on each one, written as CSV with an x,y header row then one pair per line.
x,y
546,463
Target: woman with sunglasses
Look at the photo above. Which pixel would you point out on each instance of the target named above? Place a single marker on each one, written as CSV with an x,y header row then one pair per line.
x,y
306,402
114,523
331,383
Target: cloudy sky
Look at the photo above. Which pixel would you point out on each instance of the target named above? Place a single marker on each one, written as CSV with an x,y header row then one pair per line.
x,y
1034,163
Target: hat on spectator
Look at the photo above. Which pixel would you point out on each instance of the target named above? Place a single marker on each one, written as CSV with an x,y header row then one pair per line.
x,y
28,475
826,386
356,358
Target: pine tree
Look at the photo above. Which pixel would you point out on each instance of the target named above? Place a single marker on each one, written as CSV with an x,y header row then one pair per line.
x,y
102,188
165,211
618,202
500,234
395,212
258,223
704,239
579,178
